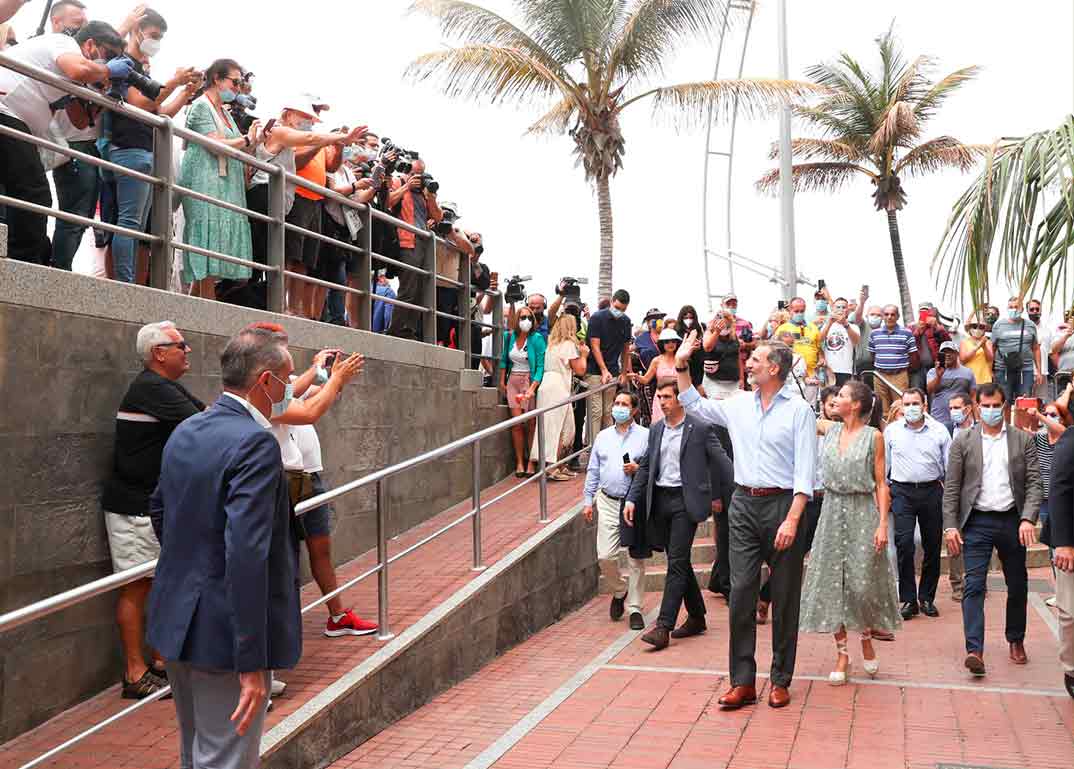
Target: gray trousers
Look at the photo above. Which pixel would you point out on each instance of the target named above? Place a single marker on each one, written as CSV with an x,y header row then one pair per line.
x,y
752,526
204,702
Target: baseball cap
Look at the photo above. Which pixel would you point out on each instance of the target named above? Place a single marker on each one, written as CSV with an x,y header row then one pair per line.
x,y
949,346
304,104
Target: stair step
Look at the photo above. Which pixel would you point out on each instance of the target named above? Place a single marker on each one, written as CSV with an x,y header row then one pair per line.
x,y
656,568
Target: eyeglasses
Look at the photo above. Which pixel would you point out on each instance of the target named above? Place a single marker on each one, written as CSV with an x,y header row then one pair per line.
x,y
181,345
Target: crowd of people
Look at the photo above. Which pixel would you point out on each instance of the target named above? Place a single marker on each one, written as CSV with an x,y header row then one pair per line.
x,y
845,435
217,102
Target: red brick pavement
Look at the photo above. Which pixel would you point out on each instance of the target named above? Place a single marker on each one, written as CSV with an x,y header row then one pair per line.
x,y
147,738
646,710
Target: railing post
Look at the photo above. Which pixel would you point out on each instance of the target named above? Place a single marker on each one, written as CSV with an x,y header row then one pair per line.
x,y
466,310
428,328
161,254
383,633
364,321
497,333
478,557
277,204
542,471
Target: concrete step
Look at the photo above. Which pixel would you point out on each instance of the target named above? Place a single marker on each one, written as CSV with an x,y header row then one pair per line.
x,y
704,555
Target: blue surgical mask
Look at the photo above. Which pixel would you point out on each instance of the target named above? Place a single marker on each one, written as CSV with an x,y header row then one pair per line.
x,y
822,306
350,153
875,321
913,413
733,311
227,95
305,125
1013,313
799,318
279,408
616,312
957,416
621,414
992,415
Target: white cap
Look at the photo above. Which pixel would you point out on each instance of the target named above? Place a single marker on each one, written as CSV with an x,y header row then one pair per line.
x,y
302,103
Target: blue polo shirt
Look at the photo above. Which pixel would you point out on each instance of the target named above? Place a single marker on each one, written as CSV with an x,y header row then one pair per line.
x,y
892,349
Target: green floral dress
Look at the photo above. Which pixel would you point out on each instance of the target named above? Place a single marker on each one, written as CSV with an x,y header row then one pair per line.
x,y
847,582
210,226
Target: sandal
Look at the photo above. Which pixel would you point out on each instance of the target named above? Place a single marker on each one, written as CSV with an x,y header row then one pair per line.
x,y
839,677
872,666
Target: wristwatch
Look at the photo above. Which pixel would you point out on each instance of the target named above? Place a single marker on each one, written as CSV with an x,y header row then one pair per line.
x,y
246,139
684,368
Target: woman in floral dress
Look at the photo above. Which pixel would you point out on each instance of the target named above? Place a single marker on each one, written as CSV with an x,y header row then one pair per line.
x,y
850,585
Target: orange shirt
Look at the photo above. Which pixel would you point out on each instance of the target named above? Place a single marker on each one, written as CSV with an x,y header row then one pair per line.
x,y
314,171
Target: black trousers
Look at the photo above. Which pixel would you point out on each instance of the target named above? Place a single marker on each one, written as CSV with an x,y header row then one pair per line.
x,y
812,518
681,586
721,573
447,329
753,523
923,506
406,323
22,176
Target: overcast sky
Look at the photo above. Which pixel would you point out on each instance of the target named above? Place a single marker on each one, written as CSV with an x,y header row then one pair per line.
x,y
534,208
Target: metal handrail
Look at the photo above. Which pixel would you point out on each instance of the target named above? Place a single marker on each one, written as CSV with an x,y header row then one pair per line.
x,y
883,379
166,190
82,593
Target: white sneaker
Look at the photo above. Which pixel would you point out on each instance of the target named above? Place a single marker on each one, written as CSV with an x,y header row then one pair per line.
x,y
277,687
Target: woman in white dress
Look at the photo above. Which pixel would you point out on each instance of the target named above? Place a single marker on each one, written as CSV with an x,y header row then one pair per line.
x,y
565,355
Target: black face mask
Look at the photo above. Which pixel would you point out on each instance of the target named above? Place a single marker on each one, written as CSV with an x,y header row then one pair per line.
x,y
1034,316
70,31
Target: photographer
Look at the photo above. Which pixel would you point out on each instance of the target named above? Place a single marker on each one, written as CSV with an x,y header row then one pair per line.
x,y
412,201
26,105
449,264
130,142
342,223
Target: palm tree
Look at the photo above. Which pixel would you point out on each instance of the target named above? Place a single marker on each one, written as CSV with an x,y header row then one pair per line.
x,y
1025,192
586,61
871,125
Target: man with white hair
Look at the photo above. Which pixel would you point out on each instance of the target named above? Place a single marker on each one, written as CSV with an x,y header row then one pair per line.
x,y
153,407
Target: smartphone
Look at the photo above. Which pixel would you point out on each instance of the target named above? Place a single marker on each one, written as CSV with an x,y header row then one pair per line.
x,y
626,459
329,362
821,285
268,126
1026,402
923,315
781,304
865,288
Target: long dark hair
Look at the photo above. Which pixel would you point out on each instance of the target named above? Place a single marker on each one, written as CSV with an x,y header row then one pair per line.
x,y
868,404
687,309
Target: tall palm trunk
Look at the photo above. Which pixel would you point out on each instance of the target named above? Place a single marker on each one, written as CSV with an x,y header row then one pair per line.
x,y
900,268
604,213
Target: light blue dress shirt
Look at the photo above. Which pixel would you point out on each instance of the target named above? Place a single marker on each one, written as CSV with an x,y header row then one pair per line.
x,y
670,452
773,449
916,456
605,469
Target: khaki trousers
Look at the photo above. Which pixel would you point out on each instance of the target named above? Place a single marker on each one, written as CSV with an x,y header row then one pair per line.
x,y
598,409
631,584
1064,602
887,396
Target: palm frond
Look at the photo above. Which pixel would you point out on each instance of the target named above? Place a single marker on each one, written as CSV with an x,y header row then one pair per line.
x,y
914,82
653,28
808,177
828,149
898,129
1016,221
571,30
488,72
855,99
938,154
557,119
687,104
931,100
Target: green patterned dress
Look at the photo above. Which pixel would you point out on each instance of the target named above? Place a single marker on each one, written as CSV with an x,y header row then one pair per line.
x,y
848,584
210,226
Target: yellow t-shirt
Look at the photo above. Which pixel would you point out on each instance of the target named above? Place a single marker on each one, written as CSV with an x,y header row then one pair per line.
x,y
979,365
806,343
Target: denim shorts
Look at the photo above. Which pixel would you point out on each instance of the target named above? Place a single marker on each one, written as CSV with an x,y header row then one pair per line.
x,y
318,521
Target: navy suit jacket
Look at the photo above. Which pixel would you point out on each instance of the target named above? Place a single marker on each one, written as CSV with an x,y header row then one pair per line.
x,y
225,594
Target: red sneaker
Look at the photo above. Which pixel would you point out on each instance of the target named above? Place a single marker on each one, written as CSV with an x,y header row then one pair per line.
x,y
349,624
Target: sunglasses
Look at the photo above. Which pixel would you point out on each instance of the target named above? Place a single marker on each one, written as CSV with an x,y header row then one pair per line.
x,y
235,81
1051,415
181,345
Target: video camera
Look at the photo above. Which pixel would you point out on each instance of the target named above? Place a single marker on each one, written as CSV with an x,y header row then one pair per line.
x,y
516,289
569,289
147,86
446,225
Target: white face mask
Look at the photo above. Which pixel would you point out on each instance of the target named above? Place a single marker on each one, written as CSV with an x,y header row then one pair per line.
x,y
525,325
688,322
150,46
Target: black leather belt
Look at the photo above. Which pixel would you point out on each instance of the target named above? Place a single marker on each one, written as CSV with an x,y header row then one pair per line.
x,y
912,485
752,491
609,496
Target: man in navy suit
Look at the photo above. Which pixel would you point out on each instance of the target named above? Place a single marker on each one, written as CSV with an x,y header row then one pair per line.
x,y
224,609
684,472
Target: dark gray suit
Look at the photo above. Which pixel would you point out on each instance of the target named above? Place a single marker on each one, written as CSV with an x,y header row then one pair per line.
x,y
985,530
674,513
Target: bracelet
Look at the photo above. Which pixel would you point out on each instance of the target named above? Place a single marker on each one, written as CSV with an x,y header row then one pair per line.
x,y
684,368
246,139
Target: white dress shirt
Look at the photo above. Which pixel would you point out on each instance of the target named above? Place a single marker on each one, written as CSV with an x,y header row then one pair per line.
x,y
670,451
995,494
257,415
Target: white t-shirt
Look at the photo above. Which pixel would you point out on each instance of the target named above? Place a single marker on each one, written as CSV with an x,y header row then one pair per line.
x,y
290,452
1044,336
25,98
838,350
520,360
310,447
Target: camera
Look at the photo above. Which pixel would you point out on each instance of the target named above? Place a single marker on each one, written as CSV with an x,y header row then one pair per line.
x,y
569,289
147,86
429,183
516,289
1062,381
446,225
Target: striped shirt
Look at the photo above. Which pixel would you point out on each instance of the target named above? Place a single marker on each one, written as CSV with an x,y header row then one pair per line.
x,y
1044,459
892,348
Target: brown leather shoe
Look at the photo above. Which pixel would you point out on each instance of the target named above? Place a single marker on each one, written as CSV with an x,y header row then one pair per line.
x,y
657,637
883,635
692,626
779,697
737,697
975,664
1018,653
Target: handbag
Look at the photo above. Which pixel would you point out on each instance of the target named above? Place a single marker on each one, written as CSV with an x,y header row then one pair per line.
x,y
1013,360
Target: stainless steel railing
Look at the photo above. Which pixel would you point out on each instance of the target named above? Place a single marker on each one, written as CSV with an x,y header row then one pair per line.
x,y
380,480
162,241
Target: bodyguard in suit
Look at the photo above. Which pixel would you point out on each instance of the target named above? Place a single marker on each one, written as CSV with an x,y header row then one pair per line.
x,y
1060,535
684,471
224,609
992,495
